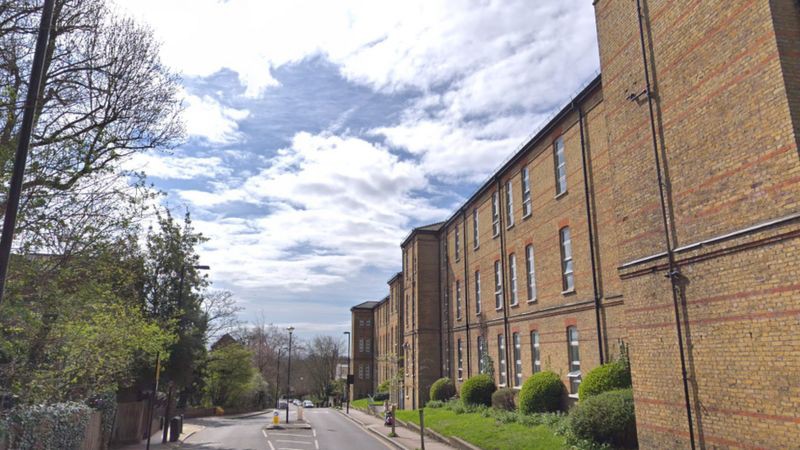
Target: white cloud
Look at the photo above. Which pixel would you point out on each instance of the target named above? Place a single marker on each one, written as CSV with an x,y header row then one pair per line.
x,y
176,166
328,207
207,118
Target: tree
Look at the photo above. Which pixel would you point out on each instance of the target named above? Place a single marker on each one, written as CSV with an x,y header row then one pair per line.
x,y
221,313
105,95
321,361
269,345
230,374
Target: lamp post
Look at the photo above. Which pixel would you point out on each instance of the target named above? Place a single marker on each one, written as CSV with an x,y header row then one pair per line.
x,y
347,379
289,372
181,322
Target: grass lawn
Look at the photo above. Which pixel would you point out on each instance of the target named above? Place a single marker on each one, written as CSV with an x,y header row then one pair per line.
x,y
363,403
486,432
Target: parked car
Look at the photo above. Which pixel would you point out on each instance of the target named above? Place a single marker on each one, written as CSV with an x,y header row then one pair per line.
x,y
297,402
283,404
308,404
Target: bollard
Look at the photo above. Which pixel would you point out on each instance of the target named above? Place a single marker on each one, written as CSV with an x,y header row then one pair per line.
x,y
300,414
276,418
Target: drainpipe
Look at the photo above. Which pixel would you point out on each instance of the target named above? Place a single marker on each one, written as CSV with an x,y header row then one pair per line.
x,y
674,271
466,284
503,274
589,223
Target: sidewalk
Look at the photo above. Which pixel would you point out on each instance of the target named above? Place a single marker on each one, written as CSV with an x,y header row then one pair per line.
x,y
406,439
155,440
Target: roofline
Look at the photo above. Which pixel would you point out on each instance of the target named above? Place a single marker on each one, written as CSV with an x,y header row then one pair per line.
x,y
395,276
543,132
420,230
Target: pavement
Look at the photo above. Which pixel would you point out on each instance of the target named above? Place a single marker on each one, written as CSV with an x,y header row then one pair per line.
x,y
155,440
406,439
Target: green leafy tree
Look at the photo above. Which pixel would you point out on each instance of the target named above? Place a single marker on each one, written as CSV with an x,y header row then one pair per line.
x,y
230,375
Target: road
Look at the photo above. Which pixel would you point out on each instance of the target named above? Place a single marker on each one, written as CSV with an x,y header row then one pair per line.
x,y
329,431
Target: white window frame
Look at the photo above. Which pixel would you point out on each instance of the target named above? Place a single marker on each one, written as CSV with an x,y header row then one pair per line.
x,y
495,214
527,210
498,286
509,204
517,359
530,266
477,292
460,349
360,371
573,355
481,349
458,299
560,161
567,268
368,345
475,229
502,366
361,345
457,246
536,354
512,273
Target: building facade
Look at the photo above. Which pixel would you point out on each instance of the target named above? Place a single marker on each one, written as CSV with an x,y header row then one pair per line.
x,y
660,208
362,349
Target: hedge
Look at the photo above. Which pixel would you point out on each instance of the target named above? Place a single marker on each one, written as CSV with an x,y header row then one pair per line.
x,y
57,426
606,418
504,399
478,390
442,390
608,377
541,393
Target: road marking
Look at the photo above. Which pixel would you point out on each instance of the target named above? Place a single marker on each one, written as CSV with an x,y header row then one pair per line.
x,y
278,433
292,442
289,448
316,444
265,433
270,445
314,432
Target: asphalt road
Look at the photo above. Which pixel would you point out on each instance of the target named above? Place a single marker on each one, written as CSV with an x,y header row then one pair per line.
x,y
329,431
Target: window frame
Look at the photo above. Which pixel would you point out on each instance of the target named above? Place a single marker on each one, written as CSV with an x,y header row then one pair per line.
x,y
502,372
567,263
530,266
560,166
517,342
481,349
457,246
495,214
574,359
498,286
477,292
536,354
512,275
460,351
475,230
527,205
509,204
458,299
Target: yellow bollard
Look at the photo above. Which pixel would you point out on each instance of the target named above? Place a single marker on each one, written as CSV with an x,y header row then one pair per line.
x,y
276,418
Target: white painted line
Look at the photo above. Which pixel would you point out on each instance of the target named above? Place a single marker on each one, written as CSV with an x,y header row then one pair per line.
x,y
316,444
289,448
314,432
265,433
278,433
292,442
270,445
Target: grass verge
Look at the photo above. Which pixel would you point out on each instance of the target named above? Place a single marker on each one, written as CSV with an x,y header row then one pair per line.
x,y
486,431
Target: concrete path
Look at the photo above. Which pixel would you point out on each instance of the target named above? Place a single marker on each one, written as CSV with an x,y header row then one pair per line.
x,y
406,439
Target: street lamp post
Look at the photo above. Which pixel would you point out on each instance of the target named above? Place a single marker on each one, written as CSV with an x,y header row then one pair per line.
x,y
347,379
289,372
181,322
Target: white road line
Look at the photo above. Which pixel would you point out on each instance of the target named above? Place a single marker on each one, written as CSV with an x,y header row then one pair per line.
x,y
265,433
289,448
316,444
270,445
314,432
292,442
279,433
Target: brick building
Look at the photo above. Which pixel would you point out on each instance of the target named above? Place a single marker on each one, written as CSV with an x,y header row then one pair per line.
x,y
660,207
363,336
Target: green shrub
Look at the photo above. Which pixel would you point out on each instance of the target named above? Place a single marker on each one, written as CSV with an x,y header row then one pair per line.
x,y
478,390
435,404
608,377
385,386
541,393
381,396
442,389
61,425
504,399
606,418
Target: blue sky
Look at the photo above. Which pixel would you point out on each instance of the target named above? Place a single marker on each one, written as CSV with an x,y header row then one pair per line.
x,y
321,132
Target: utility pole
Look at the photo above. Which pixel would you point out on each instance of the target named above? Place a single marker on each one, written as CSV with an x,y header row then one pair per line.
x,y
21,157
289,373
153,400
347,380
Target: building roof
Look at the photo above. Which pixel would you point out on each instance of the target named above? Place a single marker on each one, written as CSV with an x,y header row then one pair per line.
x,y
365,305
395,277
432,228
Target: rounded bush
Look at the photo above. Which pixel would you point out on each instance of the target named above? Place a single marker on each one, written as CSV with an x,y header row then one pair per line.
x,y
504,399
478,390
606,418
442,390
541,393
607,377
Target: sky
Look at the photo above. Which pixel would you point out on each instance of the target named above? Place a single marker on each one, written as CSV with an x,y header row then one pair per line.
x,y
321,132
